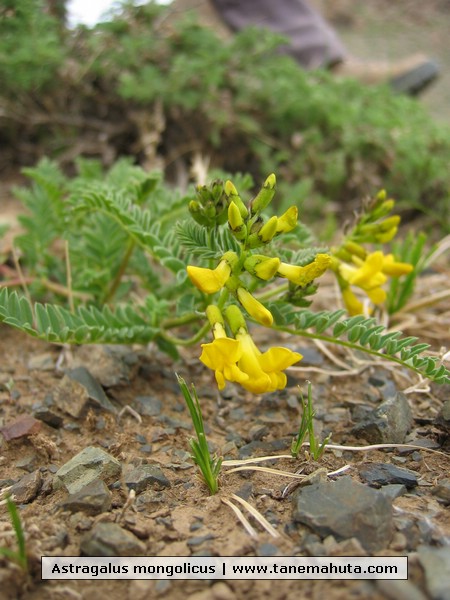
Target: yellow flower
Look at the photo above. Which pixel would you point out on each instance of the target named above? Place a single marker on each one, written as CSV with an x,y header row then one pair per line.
x,y
210,280
264,370
395,269
304,275
352,304
288,220
254,308
221,356
367,275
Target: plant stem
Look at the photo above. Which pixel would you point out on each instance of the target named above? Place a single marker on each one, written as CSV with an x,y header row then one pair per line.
x,y
179,321
186,341
346,344
272,292
118,278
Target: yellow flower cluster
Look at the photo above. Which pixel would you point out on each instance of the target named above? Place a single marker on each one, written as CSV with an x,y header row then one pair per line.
x,y
369,275
248,227
238,359
355,267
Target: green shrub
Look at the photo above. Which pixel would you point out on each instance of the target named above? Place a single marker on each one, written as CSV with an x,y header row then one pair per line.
x,y
132,80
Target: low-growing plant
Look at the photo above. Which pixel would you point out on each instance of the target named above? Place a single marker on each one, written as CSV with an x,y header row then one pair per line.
x,y
209,465
306,430
18,556
132,86
109,259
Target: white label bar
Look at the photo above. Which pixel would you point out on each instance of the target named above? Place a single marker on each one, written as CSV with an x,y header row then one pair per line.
x,y
225,567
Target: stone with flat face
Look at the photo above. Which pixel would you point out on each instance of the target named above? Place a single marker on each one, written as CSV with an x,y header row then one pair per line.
x,y
345,509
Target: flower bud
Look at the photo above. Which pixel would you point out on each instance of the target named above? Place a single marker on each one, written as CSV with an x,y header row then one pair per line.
x,y
355,249
389,223
264,196
262,266
268,230
386,236
235,318
214,315
254,308
232,193
236,222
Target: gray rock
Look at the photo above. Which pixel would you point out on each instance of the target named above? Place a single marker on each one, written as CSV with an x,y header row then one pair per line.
x,y
436,564
442,491
27,488
383,384
267,549
109,539
78,391
200,539
443,418
257,432
93,499
345,509
387,424
27,462
393,490
399,590
255,447
89,464
143,476
379,474
45,414
110,365
148,405
408,527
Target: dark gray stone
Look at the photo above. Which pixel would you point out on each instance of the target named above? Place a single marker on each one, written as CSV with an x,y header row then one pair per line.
x,y
408,526
45,414
422,442
393,490
109,539
436,564
143,476
345,509
257,432
379,474
111,365
267,549
399,590
27,488
94,389
245,491
93,499
442,491
385,385
443,418
254,448
78,391
27,462
200,539
89,464
149,406
387,424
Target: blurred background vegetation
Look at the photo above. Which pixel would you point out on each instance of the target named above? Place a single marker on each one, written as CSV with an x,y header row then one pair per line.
x,y
175,95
